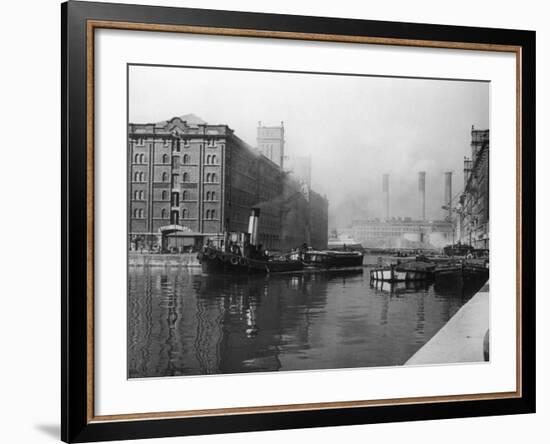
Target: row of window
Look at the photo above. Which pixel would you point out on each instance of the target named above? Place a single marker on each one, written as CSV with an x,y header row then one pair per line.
x,y
211,159
174,215
139,176
140,195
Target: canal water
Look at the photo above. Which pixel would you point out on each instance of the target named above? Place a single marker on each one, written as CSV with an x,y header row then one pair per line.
x,y
183,322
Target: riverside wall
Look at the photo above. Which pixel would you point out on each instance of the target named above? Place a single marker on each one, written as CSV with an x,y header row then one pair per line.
x,y
163,260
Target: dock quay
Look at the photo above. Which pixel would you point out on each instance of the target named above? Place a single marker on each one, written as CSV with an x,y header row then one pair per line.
x,y
462,338
163,260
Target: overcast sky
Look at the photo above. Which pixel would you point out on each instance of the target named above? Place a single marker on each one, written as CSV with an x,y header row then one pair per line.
x,y
355,128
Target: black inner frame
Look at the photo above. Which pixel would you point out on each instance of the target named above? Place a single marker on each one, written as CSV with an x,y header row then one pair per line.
x,y
74,424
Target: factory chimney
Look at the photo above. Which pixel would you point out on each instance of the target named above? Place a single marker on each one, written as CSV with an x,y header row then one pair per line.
x,y
386,192
253,225
422,194
449,193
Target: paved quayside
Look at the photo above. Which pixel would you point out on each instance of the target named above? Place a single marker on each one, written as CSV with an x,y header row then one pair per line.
x,y
461,339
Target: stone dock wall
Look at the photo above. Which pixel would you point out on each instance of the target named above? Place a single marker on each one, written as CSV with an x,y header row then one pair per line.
x,y
462,339
163,260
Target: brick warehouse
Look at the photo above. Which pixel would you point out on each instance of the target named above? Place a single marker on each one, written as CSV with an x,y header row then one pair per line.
x,y
474,201
189,181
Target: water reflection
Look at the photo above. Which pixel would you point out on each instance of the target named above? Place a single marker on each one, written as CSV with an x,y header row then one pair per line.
x,y
182,322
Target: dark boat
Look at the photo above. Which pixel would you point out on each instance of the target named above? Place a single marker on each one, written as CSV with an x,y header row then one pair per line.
x,y
405,272
324,259
239,253
215,260
476,268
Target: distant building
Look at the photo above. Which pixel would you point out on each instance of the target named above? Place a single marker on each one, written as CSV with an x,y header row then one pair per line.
x,y
300,168
402,233
271,142
473,206
190,181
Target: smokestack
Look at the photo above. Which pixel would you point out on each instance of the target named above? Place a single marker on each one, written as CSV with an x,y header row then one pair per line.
x,y
422,194
386,192
449,192
253,225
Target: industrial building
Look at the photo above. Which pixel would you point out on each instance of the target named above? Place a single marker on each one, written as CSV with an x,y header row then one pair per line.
x,y
392,232
473,207
189,181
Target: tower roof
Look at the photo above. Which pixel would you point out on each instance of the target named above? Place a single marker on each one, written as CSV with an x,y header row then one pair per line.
x,y
192,119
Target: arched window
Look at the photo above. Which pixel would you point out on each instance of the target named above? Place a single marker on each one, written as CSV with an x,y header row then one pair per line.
x,y
214,177
136,158
208,177
207,214
185,177
185,158
141,177
213,195
165,158
184,213
142,158
212,214
163,214
136,177
208,195
208,159
164,195
184,195
165,177
142,194
214,158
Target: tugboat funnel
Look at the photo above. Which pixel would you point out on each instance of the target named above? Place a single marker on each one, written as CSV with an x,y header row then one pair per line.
x,y
253,226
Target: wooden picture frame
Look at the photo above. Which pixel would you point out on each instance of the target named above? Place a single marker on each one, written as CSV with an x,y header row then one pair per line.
x,y
79,22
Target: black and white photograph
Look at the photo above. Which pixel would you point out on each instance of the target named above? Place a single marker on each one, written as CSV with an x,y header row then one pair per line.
x,y
283,221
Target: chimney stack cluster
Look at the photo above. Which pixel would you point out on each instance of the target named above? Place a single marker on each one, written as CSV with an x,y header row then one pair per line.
x,y
448,194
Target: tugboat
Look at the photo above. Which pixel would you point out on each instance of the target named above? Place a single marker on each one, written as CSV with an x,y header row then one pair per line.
x,y
240,253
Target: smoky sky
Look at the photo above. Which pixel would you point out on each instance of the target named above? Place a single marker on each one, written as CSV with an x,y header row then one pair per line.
x,y
355,128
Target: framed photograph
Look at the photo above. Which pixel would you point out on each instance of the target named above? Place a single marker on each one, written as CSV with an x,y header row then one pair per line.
x,y
275,221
